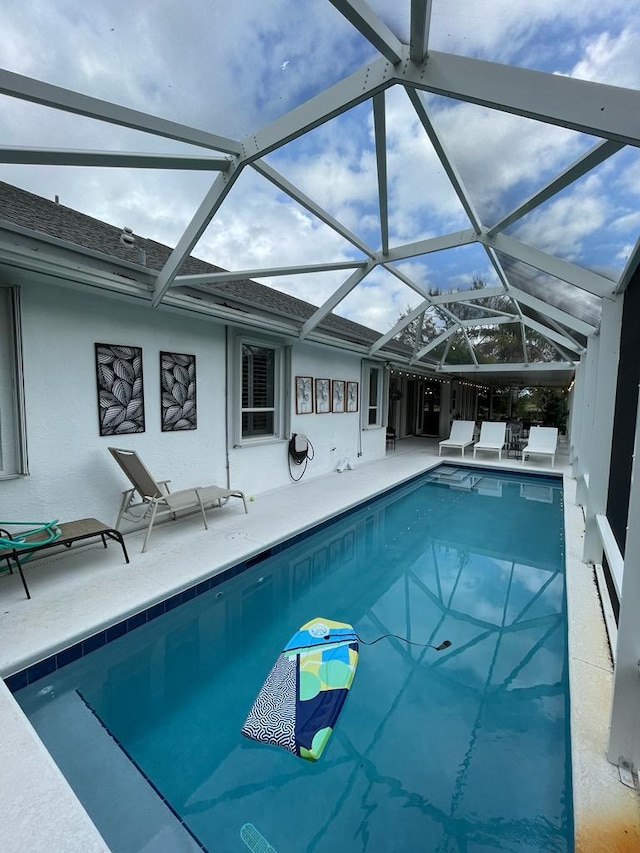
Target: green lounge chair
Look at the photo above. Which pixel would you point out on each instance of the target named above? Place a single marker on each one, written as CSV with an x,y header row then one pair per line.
x,y
29,540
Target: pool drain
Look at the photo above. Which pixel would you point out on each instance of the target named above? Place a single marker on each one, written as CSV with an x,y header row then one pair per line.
x,y
254,840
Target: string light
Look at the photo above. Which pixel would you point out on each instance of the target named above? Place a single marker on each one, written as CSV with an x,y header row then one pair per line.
x,y
406,374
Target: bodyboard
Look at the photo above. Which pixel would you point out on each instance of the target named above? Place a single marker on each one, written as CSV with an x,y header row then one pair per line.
x,y
302,697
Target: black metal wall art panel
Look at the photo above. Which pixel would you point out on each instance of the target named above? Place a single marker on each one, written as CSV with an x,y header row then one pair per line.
x,y
120,389
178,392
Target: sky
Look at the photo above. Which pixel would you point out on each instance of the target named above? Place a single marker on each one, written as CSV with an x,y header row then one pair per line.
x,y
232,68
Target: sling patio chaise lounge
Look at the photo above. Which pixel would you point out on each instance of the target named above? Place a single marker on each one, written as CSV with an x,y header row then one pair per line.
x,y
154,496
25,543
543,441
461,436
492,437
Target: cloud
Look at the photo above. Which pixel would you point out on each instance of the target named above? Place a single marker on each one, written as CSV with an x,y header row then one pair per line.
x,y
562,225
630,180
378,301
259,226
188,61
234,68
547,36
611,59
627,222
502,158
422,201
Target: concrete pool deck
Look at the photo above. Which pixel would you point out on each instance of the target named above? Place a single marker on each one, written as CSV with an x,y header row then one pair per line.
x,y
77,593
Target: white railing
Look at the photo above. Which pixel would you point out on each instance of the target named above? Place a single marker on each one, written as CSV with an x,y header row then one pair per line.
x,y
612,552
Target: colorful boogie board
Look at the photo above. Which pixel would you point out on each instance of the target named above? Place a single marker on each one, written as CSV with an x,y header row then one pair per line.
x,y
299,703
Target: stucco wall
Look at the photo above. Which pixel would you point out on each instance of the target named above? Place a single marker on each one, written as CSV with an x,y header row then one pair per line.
x,y
72,475
71,472
334,436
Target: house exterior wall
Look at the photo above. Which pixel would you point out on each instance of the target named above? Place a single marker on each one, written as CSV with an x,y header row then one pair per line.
x,y
71,473
334,436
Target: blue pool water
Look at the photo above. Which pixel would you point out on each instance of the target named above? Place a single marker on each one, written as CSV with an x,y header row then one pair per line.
x,y
462,751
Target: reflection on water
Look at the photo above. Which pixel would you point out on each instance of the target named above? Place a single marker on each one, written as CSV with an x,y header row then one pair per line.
x,y
465,750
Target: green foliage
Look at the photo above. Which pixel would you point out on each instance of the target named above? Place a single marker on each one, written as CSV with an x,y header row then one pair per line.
x,y
497,344
547,404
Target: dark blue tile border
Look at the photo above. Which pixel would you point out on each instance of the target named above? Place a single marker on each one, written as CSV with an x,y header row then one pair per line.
x,y
45,667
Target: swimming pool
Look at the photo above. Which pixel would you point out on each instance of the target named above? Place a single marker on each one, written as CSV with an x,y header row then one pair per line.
x,y
466,749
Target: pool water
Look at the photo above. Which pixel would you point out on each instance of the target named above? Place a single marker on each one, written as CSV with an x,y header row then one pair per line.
x,y
460,751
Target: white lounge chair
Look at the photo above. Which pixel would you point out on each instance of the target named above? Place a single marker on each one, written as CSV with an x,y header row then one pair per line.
x,y
461,436
155,495
492,437
543,441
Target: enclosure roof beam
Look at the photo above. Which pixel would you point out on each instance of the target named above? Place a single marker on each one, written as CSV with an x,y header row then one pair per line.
x,y
592,282
419,29
379,123
419,289
598,154
555,337
437,341
337,99
553,313
562,331
398,327
543,367
296,194
445,159
538,367
467,295
194,230
633,262
493,311
609,112
28,89
364,19
110,159
432,244
266,272
318,316
487,322
495,263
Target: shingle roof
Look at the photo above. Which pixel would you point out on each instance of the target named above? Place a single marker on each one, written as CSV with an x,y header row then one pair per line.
x,y
38,214
255,295
55,220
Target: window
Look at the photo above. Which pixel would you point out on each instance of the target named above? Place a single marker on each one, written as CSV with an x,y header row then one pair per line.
x,y
262,390
374,387
13,456
258,397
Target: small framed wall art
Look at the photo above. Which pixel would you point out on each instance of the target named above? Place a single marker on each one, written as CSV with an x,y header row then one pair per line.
x,y
352,396
304,395
337,395
323,399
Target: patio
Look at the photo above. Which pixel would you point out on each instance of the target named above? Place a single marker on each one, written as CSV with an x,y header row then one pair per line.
x,y
77,593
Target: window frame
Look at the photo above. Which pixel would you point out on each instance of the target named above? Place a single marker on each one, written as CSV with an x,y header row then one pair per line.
x,y
281,372
16,446
381,405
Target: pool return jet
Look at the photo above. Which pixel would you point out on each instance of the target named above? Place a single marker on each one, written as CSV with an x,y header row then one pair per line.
x,y
302,697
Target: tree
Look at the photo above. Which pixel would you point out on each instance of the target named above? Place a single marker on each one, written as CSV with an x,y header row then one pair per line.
x,y
501,343
423,326
547,404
